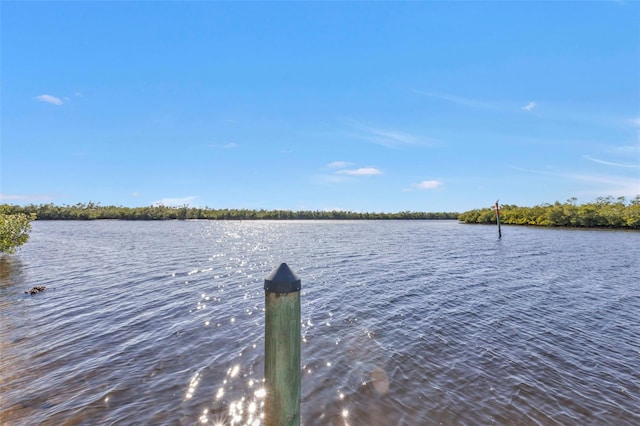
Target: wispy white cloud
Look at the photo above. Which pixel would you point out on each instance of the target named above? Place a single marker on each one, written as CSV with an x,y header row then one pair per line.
x,y
616,186
391,139
428,184
459,100
339,164
13,197
173,202
363,171
626,149
635,121
609,185
230,145
609,163
135,194
533,171
340,173
476,103
26,197
385,137
49,99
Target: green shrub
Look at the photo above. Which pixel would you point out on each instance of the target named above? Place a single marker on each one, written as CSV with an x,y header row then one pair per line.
x,y
14,230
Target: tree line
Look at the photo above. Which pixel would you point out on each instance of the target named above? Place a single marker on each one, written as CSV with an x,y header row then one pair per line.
x,y
604,212
93,211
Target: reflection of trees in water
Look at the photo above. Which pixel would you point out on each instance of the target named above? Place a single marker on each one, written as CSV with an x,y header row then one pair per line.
x,y
11,271
11,282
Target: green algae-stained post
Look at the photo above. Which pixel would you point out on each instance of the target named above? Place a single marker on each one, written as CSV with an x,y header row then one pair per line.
x,y
282,347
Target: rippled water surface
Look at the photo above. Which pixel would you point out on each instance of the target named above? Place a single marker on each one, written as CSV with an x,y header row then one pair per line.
x,y
404,323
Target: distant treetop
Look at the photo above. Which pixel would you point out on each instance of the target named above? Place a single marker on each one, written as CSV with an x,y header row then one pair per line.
x,y
92,211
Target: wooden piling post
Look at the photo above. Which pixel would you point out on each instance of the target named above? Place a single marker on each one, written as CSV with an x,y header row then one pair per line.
x,y
282,347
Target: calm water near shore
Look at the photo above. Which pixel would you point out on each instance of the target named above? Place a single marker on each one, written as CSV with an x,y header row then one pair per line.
x,y
404,323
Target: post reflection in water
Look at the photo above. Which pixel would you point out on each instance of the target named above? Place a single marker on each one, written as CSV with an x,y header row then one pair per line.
x,y
341,354
360,375
246,409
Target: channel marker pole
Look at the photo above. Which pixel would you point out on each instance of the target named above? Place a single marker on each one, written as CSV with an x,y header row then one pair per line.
x,y
497,208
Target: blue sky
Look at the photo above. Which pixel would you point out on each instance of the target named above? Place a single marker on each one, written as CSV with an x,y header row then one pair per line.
x,y
362,106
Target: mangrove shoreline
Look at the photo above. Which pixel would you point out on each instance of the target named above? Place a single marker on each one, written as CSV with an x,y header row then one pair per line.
x,y
605,212
91,211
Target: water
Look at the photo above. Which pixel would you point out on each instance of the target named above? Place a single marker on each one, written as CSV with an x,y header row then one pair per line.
x,y
404,323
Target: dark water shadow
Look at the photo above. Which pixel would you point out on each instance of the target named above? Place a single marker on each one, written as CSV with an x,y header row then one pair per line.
x,y
11,271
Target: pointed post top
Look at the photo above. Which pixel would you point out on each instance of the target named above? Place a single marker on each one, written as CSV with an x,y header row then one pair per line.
x,y
282,280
